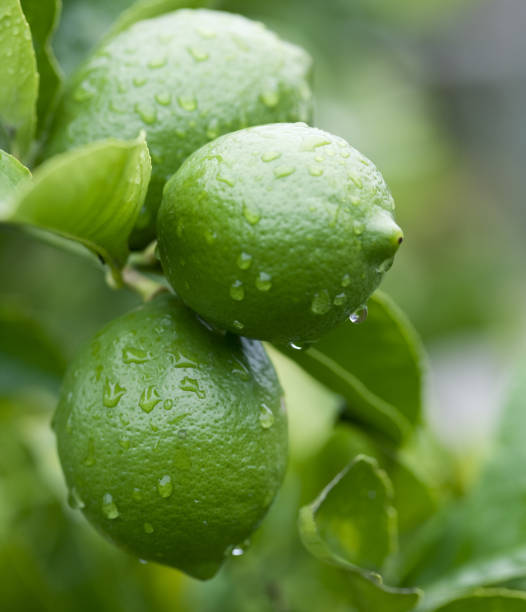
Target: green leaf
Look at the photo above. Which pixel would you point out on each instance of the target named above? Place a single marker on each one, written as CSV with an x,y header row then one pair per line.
x,y
91,195
481,540
376,366
19,79
488,600
146,9
43,16
28,357
352,525
12,173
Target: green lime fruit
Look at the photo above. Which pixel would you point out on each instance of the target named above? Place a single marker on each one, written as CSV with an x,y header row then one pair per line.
x,y
185,78
172,438
277,232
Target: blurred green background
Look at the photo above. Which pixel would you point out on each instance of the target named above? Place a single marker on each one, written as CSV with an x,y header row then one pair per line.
x,y
433,91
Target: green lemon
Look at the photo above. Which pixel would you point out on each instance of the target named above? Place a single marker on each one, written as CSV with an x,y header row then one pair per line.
x,y
172,438
277,232
185,78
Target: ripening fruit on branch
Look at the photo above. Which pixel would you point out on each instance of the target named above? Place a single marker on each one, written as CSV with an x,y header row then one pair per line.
x,y
185,78
277,232
172,438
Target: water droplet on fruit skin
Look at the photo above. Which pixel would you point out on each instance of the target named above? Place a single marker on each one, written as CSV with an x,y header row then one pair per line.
x,y
74,500
205,33
168,404
270,97
237,551
187,103
148,528
283,171
163,97
358,228
359,315
251,214
266,417
199,55
124,443
131,354
270,156
237,291
165,486
109,508
315,170
191,384
346,280
138,81
149,399
321,302
264,282
244,261
238,325
296,347
225,178
146,112
90,455
157,62
339,299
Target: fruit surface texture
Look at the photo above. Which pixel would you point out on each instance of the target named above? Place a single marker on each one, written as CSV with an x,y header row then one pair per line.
x,y
173,439
277,232
185,78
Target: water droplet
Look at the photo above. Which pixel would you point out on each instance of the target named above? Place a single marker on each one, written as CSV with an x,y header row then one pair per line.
x,y
385,265
237,551
112,394
157,62
321,303
242,370
283,171
346,280
143,562
315,170
83,92
138,81
270,156
224,178
205,33
357,181
311,143
358,227
136,494
148,528
146,112
266,417
163,97
251,214
359,315
345,154
238,325
165,486
270,97
168,404
74,500
149,399
135,355
212,130
124,443
187,103
109,508
198,54
237,291
263,281
90,455
296,347
339,300
191,384
244,261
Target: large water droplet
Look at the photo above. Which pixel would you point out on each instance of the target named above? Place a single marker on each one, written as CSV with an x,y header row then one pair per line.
x,y
187,103
359,315
237,291
149,399
244,261
237,551
283,171
131,354
163,97
200,55
251,214
146,112
191,384
109,508
264,281
165,486
266,417
270,156
321,302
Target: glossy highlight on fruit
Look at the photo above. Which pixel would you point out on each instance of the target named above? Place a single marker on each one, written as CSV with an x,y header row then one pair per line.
x,y
185,78
172,438
277,232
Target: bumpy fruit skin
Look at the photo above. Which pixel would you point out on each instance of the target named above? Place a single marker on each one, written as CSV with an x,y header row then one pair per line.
x,y
185,78
277,232
173,439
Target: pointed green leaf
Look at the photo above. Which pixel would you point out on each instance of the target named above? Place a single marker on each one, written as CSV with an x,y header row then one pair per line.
x,y
352,525
19,79
146,9
488,600
91,195
42,16
12,173
376,366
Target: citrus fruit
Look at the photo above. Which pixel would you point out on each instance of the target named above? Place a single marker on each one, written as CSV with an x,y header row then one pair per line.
x,y
277,232
185,78
172,438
